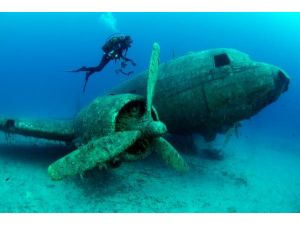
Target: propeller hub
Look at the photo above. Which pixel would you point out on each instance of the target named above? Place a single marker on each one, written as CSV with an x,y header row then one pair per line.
x,y
155,129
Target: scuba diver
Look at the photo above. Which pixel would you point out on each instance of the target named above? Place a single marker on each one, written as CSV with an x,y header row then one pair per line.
x,y
115,48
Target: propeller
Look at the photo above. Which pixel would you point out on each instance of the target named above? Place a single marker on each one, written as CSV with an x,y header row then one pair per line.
x,y
104,149
156,129
152,76
95,153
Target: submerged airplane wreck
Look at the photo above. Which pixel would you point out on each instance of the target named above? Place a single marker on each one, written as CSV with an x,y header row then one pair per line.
x,y
205,92
209,91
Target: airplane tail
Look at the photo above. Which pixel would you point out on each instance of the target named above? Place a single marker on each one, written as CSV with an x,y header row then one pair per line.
x,y
47,129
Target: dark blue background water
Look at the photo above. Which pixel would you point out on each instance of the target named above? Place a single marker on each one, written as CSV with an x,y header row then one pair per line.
x,y
36,49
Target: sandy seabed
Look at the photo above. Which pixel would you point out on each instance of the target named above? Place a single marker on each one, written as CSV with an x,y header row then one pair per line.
x,y
257,174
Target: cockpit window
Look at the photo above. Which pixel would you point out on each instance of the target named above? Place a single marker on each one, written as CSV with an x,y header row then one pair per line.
x,y
221,60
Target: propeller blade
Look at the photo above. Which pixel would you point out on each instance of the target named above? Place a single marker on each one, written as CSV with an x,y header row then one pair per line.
x,y
96,152
152,76
169,154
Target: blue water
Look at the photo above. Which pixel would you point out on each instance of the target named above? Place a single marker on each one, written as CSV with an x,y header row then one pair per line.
x,y
36,49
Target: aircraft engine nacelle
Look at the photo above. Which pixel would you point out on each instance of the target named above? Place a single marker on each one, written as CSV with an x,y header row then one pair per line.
x,y
110,114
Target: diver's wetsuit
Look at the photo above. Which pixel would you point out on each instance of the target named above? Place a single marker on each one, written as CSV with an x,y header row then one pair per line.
x,y
114,49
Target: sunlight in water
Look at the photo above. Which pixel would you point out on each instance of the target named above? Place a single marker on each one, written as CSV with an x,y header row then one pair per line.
x,y
108,20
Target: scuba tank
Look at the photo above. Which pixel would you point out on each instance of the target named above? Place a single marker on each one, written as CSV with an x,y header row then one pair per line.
x,y
110,41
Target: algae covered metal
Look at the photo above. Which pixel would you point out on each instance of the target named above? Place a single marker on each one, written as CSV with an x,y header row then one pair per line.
x,y
209,91
205,92
49,129
112,128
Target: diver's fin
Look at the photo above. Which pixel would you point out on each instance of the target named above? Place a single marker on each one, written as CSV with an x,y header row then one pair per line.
x,y
169,154
87,76
85,83
81,69
48,129
96,153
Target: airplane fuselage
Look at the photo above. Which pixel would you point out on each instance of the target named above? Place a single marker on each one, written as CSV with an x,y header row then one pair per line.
x,y
209,91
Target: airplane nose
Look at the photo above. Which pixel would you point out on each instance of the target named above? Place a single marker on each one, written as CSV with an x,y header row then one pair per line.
x,y
282,80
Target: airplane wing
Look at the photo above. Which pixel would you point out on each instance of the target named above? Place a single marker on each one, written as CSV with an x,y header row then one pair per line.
x,y
48,129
